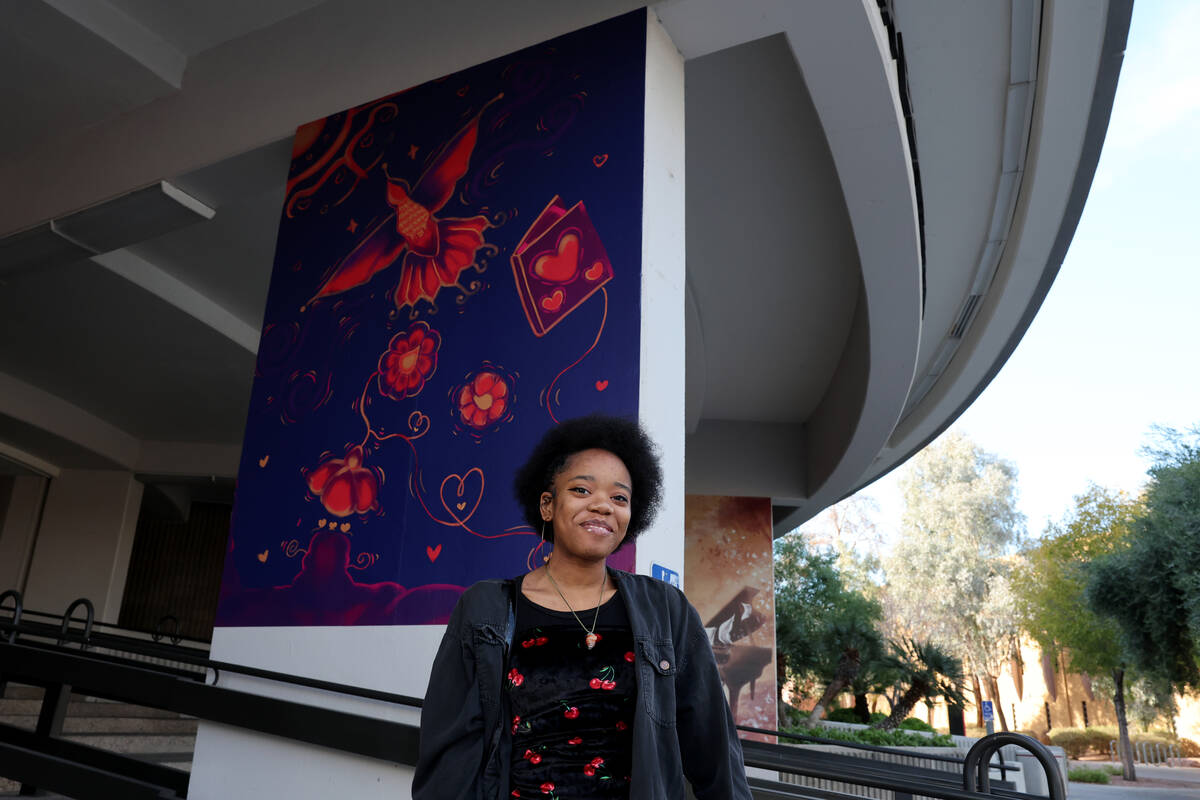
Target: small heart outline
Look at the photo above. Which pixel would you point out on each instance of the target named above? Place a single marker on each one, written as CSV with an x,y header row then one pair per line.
x,y
262,557
600,160
594,271
433,552
262,462
601,386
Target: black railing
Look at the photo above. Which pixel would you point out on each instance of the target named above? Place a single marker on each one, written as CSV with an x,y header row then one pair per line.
x,y
63,659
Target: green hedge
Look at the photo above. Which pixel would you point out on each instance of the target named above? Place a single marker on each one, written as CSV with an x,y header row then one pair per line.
x,y
897,738
1087,775
914,724
1080,741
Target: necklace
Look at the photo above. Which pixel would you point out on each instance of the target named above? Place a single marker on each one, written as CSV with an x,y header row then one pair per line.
x,y
591,637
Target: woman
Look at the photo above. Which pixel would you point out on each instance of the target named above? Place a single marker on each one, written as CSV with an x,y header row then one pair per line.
x,y
575,680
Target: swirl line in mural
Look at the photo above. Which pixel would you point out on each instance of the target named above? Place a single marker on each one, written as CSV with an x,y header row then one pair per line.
x,y
550,398
346,159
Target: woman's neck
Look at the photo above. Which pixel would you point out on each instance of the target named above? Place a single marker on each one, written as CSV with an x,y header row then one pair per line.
x,y
575,574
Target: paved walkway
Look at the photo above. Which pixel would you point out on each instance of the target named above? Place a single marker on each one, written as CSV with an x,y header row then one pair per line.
x,y
1160,783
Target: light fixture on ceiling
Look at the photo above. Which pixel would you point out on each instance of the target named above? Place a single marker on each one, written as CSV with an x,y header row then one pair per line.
x,y
138,216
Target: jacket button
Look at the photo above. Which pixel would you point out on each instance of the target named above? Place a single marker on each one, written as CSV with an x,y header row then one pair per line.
x,y
664,664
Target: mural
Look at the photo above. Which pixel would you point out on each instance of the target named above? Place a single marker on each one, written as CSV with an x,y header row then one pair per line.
x,y
730,579
457,269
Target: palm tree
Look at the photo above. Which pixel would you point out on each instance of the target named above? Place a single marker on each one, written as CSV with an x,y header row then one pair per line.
x,y
856,642
930,673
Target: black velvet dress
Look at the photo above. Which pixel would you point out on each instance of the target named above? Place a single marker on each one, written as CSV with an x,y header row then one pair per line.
x,y
573,707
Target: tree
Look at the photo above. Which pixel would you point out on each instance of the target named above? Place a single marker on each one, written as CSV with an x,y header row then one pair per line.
x,y
929,673
823,630
947,578
1152,587
1051,594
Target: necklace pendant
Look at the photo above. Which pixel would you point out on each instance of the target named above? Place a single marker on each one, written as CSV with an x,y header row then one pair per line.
x,y
591,640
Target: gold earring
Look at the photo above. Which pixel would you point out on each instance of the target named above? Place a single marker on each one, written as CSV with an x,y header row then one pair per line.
x,y
545,558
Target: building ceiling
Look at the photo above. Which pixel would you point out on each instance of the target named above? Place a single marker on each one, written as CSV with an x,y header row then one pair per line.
x,y
806,330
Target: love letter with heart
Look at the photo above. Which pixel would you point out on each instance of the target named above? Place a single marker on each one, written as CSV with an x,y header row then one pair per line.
x,y
559,263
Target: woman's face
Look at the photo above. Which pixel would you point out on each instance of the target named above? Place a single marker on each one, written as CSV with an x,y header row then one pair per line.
x,y
590,506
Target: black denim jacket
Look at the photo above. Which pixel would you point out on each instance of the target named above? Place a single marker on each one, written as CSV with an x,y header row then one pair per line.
x,y
682,726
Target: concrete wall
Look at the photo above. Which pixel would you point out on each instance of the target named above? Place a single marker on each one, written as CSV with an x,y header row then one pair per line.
x,y
18,529
84,541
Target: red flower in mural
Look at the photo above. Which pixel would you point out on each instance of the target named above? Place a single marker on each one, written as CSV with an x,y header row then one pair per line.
x,y
344,485
483,400
438,250
410,359
452,248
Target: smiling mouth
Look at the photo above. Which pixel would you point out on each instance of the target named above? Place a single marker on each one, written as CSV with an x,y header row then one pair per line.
x,y
598,528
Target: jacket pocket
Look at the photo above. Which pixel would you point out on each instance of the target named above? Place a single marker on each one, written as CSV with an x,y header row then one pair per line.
x,y
656,679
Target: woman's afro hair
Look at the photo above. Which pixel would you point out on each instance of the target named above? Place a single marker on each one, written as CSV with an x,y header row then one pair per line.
x,y
621,437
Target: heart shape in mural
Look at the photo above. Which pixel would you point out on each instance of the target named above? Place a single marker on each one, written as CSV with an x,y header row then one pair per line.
x,y
262,462
344,527
553,302
462,486
262,557
594,271
601,386
433,552
600,160
561,265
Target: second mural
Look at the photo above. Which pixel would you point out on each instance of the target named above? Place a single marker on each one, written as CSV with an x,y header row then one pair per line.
x,y
457,269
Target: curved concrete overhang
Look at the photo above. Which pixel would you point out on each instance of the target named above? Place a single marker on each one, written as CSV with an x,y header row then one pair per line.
x,y
849,402
1079,61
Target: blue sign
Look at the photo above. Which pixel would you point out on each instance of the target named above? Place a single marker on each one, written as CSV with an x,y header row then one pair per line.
x,y
988,713
663,574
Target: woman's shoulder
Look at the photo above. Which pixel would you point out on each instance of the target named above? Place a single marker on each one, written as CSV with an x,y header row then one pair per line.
x,y
643,587
486,599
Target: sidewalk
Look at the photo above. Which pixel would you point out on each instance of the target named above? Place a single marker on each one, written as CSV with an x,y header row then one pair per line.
x,y
1154,783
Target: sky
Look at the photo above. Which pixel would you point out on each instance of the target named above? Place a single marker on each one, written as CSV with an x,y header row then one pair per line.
x,y
1115,347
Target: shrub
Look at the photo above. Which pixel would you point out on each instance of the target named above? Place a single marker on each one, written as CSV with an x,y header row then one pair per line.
x,y
877,716
842,715
1087,775
897,738
1073,740
914,724
1190,749
1112,769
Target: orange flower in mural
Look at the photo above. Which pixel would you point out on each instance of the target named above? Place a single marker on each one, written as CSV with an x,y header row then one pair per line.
x,y
410,359
344,485
483,400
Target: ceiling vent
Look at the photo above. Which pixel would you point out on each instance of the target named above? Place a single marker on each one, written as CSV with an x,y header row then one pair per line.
x,y
139,216
966,316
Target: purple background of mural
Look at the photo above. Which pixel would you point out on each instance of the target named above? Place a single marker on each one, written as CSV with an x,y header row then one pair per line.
x,y
561,118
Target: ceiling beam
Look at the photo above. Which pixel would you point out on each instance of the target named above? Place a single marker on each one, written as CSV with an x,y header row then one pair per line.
x,y
49,412
170,289
127,35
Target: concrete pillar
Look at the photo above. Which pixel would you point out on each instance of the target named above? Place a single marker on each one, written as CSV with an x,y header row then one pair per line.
x,y
84,542
18,529
231,763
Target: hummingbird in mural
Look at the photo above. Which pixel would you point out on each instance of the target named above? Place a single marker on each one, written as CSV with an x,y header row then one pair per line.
x,y
433,250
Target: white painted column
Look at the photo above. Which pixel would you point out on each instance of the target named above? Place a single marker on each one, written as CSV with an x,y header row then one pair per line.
x,y
664,275
84,542
231,763
18,530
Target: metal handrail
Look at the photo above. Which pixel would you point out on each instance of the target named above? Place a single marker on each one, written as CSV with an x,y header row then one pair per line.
x,y
87,625
182,656
975,768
